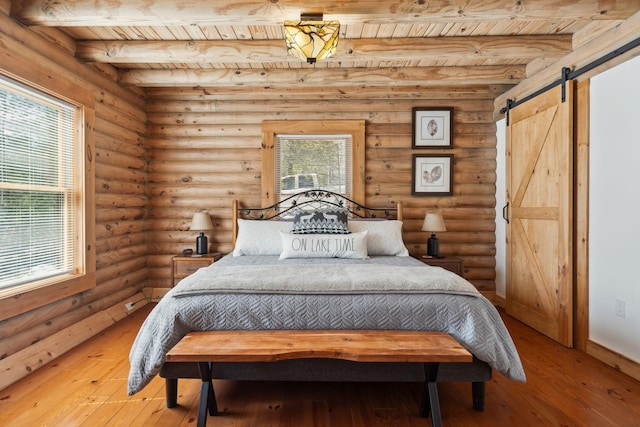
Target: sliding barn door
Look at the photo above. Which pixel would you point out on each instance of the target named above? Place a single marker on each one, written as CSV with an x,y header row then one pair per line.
x,y
539,168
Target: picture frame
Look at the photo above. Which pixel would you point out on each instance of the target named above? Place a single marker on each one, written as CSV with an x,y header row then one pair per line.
x,y
432,175
432,127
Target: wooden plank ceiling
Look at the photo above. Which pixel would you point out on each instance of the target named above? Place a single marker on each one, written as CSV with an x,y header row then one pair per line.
x,y
172,43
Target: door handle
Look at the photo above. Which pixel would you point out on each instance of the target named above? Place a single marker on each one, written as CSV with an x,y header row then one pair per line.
x,y
505,212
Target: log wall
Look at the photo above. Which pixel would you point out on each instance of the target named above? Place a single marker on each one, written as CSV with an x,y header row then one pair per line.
x,y
31,339
204,151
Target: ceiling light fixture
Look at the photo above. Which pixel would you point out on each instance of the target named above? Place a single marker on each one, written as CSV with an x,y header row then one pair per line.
x,y
311,38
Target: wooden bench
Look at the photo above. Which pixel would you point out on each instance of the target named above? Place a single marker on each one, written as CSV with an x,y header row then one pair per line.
x,y
426,347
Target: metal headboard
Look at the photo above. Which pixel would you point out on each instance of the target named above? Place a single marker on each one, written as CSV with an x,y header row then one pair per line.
x,y
311,200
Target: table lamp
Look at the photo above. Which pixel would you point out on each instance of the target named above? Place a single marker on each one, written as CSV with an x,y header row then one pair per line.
x,y
433,222
201,221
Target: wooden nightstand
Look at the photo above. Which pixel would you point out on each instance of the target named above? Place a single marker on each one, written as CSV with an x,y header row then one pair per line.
x,y
185,265
450,263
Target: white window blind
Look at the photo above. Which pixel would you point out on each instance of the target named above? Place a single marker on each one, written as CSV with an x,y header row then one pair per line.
x,y
304,162
40,190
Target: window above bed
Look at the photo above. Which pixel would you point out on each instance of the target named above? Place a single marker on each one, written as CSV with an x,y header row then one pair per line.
x,y
311,154
311,162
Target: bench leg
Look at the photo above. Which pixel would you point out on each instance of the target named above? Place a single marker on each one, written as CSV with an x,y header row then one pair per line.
x,y
477,391
207,395
171,392
430,401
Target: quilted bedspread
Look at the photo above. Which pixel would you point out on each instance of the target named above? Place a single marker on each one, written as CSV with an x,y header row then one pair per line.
x,y
318,279
470,319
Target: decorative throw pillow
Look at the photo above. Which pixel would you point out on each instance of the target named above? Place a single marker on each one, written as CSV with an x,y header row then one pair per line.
x,y
320,222
353,245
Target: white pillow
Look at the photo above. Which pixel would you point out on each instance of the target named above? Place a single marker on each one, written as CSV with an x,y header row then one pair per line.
x,y
352,245
384,238
257,237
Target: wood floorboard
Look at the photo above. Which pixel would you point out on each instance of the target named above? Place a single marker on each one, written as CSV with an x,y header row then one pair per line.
x,y
88,387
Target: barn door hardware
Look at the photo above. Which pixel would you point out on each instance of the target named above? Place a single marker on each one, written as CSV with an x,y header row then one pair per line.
x,y
564,77
505,212
509,106
567,74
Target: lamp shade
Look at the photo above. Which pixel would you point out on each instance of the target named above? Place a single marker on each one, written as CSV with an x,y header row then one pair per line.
x,y
433,222
201,221
311,40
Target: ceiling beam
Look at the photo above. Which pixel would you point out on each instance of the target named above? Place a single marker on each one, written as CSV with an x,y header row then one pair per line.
x,y
245,52
207,97
436,76
263,12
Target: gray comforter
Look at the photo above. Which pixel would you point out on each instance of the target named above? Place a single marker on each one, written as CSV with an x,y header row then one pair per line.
x,y
469,318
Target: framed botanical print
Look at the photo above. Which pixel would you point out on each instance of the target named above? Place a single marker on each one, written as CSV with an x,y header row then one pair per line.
x,y
432,127
432,175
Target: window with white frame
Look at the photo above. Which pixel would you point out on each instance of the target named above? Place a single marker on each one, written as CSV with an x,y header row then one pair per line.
x,y
42,237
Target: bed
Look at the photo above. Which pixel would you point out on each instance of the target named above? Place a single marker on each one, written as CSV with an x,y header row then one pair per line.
x,y
318,260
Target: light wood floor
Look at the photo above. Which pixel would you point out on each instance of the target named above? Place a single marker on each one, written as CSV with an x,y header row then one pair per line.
x,y
87,387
